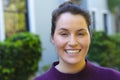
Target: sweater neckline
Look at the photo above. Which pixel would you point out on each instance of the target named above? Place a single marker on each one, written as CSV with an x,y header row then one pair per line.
x,y
61,75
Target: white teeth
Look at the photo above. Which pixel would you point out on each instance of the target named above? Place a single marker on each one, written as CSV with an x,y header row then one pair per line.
x,y
72,51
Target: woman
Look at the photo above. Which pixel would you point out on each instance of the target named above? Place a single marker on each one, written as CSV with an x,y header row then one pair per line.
x,y
70,33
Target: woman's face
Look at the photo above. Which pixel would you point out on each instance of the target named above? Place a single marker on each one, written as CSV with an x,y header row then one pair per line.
x,y
71,38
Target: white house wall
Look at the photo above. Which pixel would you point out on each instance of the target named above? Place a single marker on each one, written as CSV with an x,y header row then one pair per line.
x,y
43,10
2,28
100,7
31,14
83,4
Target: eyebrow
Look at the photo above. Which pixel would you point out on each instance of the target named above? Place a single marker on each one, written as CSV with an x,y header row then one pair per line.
x,y
82,29
63,29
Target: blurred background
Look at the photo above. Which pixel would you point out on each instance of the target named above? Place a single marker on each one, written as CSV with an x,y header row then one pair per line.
x,y
34,16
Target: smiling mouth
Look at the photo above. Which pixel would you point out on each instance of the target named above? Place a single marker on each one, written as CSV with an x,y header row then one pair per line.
x,y
73,51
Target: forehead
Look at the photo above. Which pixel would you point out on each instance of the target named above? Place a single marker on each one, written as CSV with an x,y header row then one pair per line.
x,y
68,15
68,20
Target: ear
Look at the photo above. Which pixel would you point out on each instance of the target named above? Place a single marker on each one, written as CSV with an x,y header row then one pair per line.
x,y
52,40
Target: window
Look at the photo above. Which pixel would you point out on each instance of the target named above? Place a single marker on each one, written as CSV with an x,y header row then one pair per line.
x,y
15,16
105,22
117,21
94,20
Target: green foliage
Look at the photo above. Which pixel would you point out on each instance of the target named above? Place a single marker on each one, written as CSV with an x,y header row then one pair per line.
x,y
19,56
105,50
44,68
112,4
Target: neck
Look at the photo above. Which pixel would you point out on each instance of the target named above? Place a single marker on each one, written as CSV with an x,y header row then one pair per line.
x,y
70,68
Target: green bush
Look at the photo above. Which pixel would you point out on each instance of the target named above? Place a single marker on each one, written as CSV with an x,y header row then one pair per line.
x,y
105,50
19,56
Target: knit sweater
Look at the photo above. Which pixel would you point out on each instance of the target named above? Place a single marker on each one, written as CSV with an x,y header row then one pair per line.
x,y
90,72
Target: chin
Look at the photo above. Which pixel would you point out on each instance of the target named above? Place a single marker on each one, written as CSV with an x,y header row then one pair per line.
x,y
73,61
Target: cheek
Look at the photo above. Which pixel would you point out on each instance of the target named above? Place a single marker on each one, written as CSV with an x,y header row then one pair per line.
x,y
58,42
86,42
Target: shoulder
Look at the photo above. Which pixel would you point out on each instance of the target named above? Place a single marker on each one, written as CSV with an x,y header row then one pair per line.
x,y
50,74
45,76
111,73
42,77
105,72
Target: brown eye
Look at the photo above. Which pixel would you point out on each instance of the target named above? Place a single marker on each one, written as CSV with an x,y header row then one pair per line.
x,y
64,34
80,34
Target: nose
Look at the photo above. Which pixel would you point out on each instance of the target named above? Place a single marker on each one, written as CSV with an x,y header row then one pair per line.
x,y
73,41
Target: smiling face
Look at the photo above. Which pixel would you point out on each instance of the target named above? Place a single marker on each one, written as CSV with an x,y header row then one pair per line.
x,y
71,38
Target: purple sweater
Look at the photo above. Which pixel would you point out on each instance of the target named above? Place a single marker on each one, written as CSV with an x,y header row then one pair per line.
x,y
90,72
